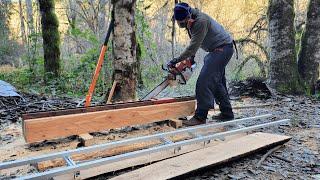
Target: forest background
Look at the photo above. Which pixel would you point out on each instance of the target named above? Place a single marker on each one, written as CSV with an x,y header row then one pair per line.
x,y
83,26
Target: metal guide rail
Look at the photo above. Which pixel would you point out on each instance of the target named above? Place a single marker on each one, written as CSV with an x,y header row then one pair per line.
x,y
74,167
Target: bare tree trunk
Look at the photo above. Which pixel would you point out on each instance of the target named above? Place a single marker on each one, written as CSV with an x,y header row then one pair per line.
x,y
22,27
51,37
283,71
71,13
173,33
30,17
31,37
309,56
102,17
124,50
4,22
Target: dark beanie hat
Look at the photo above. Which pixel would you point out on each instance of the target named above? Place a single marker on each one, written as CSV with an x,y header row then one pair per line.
x,y
181,11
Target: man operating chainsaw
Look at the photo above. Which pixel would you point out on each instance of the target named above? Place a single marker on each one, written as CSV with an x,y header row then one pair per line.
x,y
208,34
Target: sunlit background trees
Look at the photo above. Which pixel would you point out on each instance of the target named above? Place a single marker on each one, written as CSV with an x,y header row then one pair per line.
x,y
83,25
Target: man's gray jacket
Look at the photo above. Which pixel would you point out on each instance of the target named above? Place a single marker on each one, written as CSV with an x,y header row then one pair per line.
x,y
206,33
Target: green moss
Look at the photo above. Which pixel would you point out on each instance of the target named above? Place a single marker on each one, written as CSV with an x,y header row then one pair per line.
x,y
293,87
51,38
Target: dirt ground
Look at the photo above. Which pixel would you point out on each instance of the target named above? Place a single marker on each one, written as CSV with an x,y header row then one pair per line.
x,y
298,159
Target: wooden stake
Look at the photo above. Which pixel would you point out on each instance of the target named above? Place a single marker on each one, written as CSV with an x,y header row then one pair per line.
x,y
175,123
111,92
86,139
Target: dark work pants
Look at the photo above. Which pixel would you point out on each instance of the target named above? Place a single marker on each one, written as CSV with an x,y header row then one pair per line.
x,y
211,83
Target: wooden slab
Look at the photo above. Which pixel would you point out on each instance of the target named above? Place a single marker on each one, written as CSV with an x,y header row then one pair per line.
x,y
215,155
91,172
42,166
40,129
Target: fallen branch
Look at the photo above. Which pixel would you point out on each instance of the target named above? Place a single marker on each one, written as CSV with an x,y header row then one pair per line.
x,y
252,106
282,158
260,63
246,106
267,154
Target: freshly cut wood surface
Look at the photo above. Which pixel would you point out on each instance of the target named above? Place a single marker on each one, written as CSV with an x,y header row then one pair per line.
x,y
215,155
40,129
42,166
95,171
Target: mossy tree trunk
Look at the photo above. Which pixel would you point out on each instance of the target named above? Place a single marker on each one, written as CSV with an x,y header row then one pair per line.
x,y
124,50
139,69
283,70
309,56
51,37
4,23
5,44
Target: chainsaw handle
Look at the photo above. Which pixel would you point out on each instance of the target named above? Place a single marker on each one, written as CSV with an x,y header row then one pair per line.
x,y
167,67
164,68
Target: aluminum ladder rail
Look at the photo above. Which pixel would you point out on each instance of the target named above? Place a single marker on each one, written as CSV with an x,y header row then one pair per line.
x,y
74,167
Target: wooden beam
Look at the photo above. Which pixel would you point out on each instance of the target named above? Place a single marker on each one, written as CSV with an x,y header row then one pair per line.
x,y
42,114
40,129
154,157
111,92
216,155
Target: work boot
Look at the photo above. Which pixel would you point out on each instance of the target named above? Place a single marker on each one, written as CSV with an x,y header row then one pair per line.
x,y
223,117
194,121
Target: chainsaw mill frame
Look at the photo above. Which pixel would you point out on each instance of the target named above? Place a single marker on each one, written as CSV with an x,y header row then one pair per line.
x,y
75,167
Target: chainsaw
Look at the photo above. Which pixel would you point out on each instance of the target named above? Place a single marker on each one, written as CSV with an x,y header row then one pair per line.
x,y
179,73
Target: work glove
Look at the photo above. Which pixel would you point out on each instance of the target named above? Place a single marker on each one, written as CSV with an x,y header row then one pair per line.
x,y
173,62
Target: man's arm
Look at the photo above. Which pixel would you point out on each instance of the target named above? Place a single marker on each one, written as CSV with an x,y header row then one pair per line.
x,y
199,31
